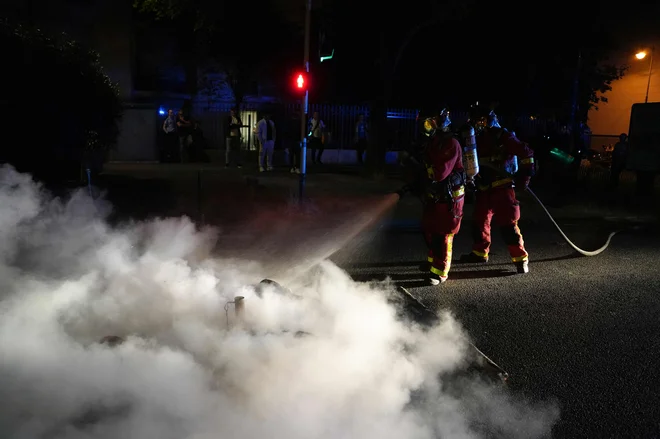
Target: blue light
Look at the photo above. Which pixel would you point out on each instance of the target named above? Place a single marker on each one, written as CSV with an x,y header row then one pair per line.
x,y
399,115
161,111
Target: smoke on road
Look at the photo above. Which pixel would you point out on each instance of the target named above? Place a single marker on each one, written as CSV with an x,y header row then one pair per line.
x,y
67,279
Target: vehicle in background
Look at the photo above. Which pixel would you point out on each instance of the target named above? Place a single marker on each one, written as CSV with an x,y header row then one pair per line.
x,y
644,138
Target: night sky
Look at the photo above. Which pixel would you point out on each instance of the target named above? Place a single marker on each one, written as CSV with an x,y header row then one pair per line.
x,y
522,56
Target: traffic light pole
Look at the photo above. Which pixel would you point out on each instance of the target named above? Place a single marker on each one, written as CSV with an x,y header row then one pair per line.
x,y
305,108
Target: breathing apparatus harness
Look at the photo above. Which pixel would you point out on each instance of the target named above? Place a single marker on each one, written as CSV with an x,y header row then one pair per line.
x,y
449,190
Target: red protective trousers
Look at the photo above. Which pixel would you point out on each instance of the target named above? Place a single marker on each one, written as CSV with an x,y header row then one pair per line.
x,y
441,221
501,205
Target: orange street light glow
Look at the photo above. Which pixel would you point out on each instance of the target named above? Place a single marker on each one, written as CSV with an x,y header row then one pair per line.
x,y
640,55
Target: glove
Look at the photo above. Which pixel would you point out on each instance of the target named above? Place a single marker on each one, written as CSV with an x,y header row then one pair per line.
x,y
522,183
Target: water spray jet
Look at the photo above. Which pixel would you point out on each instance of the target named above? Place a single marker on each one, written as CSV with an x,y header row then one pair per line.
x,y
341,367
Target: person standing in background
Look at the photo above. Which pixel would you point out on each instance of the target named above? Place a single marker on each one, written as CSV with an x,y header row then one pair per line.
x,y
233,145
184,128
619,156
170,140
361,138
292,139
315,133
266,136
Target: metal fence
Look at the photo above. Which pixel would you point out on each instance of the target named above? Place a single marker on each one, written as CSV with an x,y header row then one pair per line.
x,y
603,143
340,123
339,120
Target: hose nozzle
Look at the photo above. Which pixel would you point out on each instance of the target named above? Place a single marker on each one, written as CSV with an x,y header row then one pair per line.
x,y
404,190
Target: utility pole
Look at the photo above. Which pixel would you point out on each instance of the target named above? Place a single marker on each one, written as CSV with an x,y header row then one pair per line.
x,y
305,107
648,84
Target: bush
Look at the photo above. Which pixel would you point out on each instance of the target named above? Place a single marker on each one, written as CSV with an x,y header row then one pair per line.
x,y
59,107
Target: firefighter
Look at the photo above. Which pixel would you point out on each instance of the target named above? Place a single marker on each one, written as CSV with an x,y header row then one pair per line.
x,y
506,163
444,192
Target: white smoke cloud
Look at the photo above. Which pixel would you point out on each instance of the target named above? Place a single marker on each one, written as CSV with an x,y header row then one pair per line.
x,y
330,360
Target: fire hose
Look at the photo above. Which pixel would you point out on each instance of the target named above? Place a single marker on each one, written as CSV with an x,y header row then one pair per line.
x,y
561,232
575,247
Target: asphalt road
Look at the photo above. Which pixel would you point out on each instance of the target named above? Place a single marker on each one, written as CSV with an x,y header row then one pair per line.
x,y
581,331
576,330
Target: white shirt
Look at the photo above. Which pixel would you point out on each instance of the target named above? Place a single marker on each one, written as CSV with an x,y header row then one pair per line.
x,y
262,130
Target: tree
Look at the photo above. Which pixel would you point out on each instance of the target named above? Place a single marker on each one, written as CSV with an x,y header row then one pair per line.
x,y
75,106
199,14
584,63
550,85
595,80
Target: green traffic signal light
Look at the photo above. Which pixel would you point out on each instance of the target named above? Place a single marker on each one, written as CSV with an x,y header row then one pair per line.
x,y
562,156
325,58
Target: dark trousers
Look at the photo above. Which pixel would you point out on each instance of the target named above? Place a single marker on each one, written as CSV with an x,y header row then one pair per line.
x,y
360,147
294,156
185,140
233,151
615,174
170,148
317,148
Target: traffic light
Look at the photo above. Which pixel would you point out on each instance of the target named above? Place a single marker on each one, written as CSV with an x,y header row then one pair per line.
x,y
328,56
301,82
325,42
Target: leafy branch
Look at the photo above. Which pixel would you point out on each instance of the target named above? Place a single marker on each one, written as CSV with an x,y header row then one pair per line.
x,y
600,82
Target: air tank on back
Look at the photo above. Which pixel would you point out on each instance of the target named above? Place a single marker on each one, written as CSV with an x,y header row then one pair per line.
x,y
470,158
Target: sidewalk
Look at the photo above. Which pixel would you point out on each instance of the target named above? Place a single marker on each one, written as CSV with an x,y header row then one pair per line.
x,y
344,179
349,181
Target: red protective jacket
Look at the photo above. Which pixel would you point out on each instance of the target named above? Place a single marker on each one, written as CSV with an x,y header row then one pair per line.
x,y
497,150
442,157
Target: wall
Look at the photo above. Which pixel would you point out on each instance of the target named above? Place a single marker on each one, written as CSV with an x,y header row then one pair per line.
x,y
112,38
613,117
137,135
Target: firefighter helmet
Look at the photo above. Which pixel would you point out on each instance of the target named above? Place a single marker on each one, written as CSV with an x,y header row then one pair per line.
x,y
433,120
482,117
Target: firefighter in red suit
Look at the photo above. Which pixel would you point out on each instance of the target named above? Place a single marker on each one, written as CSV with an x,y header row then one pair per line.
x,y
501,155
444,191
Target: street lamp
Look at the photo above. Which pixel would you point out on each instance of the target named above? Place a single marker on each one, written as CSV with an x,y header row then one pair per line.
x,y
641,55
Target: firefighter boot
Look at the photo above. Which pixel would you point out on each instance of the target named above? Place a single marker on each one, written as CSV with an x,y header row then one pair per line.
x,y
473,258
522,267
434,279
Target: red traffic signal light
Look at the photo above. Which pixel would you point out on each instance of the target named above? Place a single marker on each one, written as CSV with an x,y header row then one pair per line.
x,y
301,82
